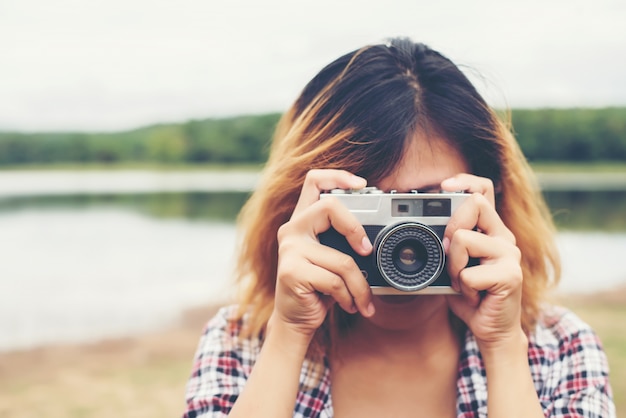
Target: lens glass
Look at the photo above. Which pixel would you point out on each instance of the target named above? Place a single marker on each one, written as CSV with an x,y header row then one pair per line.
x,y
409,256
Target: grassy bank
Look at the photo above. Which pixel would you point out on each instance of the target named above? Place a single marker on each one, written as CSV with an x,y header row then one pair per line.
x,y
138,377
145,376
605,312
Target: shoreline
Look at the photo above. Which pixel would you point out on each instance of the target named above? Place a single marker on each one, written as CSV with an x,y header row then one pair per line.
x,y
145,375
171,339
24,183
142,375
193,320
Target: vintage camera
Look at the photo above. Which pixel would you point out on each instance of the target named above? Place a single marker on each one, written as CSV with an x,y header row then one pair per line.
x,y
406,230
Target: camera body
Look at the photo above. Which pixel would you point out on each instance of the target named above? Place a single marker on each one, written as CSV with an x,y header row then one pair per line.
x,y
406,230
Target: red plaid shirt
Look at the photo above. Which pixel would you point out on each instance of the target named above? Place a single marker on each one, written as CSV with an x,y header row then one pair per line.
x,y
566,359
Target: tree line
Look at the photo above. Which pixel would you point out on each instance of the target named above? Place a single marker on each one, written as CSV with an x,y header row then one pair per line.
x,y
550,135
578,135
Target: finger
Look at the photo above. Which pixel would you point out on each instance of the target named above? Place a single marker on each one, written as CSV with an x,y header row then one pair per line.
x,y
317,181
502,279
327,213
304,278
477,212
332,285
478,245
466,243
477,281
474,283
343,266
457,258
471,184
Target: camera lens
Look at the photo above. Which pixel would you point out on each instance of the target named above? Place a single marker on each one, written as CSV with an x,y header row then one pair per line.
x,y
409,255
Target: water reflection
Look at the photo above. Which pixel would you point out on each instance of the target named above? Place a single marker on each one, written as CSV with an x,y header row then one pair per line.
x,y
76,275
572,210
588,210
222,206
86,266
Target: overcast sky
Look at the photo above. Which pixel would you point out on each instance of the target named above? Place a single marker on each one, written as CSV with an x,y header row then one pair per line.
x,y
119,64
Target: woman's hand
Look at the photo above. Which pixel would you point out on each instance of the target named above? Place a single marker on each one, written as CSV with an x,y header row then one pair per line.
x,y
311,276
490,304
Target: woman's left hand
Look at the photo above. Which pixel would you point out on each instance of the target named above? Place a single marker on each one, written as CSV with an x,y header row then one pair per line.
x,y
491,292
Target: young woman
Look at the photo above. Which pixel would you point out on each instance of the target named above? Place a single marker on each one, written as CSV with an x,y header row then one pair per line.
x,y
308,338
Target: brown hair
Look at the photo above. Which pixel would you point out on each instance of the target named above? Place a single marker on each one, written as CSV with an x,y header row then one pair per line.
x,y
357,114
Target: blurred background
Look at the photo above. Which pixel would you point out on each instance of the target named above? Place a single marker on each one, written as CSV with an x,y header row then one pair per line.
x,y
132,131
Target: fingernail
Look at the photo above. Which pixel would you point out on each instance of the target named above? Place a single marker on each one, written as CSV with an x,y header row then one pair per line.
x,y
370,309
446,244
366,244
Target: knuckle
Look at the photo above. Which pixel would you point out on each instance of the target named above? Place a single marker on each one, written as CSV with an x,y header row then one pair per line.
x,y
310,175
463,275
512,238
355,228
487,183
461,236
452,226
328,204
286,233
516,276
323,208
345,263
287,243
519,274
480,200
517,253
286,269
285,248
336,283
283,231
509,247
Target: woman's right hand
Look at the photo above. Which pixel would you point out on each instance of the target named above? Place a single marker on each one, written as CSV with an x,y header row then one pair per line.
x,y
311,277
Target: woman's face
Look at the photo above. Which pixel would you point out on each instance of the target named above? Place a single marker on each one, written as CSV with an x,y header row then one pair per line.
x,y
425,164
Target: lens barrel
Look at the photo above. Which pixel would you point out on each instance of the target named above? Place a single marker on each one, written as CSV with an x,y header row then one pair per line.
x,y
409,255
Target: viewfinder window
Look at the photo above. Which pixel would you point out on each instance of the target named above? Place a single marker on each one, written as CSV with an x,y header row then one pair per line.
x,y
437,207
406,207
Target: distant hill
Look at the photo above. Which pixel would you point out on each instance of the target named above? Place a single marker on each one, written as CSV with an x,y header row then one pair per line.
x,y
551,135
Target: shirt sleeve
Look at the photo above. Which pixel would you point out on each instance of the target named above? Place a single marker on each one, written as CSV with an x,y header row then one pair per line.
x,y
580,382
220,369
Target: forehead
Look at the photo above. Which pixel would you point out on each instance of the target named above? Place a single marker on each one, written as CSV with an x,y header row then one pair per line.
x,y
426,162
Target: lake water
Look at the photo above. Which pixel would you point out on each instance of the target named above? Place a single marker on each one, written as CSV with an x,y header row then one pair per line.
x,y
80,265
